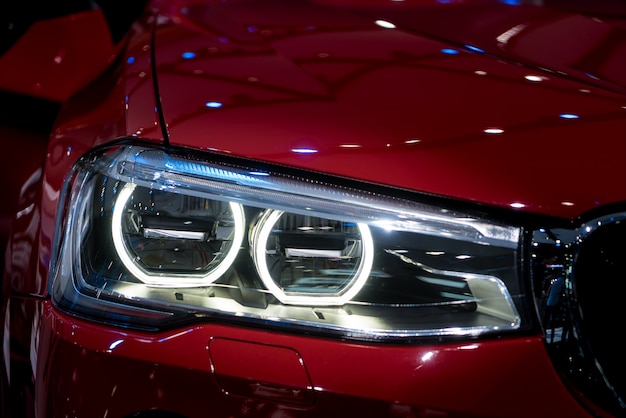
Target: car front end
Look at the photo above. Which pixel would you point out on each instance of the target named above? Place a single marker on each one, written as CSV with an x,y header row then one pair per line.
x,y
328,208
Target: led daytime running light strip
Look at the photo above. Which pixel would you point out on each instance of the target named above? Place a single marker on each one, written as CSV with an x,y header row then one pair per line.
x,y
139,165
161,280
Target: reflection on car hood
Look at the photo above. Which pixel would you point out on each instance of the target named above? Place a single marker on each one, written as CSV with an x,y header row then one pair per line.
x,y
375,93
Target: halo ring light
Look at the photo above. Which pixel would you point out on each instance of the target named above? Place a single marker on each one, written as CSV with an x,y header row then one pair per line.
x,y
178,280
260,237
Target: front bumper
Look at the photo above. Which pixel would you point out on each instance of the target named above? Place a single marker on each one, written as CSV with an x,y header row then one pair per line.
x,y
85,369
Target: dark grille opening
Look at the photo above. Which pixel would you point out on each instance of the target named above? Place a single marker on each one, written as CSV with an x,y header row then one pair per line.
x,y
599,280
580,284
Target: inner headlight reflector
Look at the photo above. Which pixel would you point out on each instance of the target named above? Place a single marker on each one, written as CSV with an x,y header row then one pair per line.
x,y
307,261
150,243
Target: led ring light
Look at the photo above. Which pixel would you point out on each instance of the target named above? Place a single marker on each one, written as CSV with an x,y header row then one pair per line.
x,y
188,280
261,236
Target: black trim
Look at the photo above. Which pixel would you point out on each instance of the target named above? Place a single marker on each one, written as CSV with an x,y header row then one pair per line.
x,y
120,15
28,113
17,17
155,82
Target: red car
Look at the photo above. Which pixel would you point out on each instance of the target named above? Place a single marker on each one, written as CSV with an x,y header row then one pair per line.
x,y
314,208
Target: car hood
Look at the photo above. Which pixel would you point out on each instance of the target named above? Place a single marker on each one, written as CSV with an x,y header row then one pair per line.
x,y
503,109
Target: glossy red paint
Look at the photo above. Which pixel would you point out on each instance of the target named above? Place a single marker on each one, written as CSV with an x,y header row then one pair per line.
x,y
392,106
339,85
97,114
128,371
20,142
262,370
55,67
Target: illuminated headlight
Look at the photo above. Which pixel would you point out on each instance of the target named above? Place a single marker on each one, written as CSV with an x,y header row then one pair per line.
x,y
150,238
320,262
154,245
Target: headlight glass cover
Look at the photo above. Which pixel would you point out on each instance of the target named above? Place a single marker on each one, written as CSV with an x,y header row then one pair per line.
x,y
153,237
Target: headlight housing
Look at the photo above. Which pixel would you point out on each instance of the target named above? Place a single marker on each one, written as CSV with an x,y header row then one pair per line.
x,y
153,237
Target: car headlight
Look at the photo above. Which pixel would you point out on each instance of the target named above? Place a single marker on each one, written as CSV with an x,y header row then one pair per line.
x,y
152,237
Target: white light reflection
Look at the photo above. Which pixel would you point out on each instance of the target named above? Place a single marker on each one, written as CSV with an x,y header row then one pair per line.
x,y
443,282
428,356
506,36
114,344
535,78
27,210
178,334
518,205
385,24
469,347
304,150
493,131
428,224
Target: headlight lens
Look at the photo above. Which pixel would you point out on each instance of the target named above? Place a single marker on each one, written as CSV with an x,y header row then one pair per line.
x,y
171,240
151,238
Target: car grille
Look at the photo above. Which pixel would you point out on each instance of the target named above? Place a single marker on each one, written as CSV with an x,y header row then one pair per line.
x,y
581,286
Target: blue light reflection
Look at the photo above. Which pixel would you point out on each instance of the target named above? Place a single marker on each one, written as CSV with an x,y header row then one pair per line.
x,y
475,49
